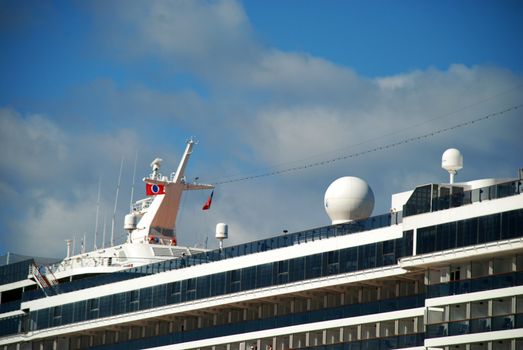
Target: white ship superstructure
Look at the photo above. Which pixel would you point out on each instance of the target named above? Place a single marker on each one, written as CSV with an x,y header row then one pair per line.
x,y
442,270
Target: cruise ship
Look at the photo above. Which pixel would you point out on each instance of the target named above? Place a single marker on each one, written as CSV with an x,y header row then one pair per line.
x,y
443,269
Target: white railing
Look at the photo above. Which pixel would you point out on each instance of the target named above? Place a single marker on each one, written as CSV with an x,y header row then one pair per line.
x,y
142,204
81,262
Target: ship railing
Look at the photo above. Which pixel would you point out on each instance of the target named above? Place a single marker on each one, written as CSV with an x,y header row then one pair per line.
x,y
142,204
80,262
50,276
462,198
263,245
46,282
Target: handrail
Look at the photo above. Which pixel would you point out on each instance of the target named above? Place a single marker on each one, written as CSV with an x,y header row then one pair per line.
x,y
459,199
263,245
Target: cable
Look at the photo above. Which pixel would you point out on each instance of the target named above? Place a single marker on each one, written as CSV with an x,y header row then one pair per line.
x,y
395,132
372,150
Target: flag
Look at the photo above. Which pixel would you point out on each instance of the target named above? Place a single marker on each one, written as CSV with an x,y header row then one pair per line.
x,y
154,189
207,204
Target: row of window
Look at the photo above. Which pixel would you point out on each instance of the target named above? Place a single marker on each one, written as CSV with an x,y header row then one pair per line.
x,y
273,322
475,285
487,324
507,224
398,342
298,269
434,197
226,253
462,233
15,272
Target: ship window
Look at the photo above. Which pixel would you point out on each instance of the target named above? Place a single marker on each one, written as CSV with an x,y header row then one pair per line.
x,y
189,289
57,312
455,273
333,262
519,304
118,304
248,278
203,287
349,259
283,271
79,311
387,254
173,292
105,305
489,228
233,281
92,304
427,239
159,292
313,266
263,275
419,202
146,298
218,284
132,301
283,266
367,256
133,296
297,269
467,232
446,236
512,224
42,320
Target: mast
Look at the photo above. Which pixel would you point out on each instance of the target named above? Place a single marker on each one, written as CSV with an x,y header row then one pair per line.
x,y
158,217
183,163
116,203
103,232
134,177
97,213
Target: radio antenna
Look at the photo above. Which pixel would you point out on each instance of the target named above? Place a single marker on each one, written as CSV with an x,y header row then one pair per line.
x,y
134,177
97,213
104,229
116,203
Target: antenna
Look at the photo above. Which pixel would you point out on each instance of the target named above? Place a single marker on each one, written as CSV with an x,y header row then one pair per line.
x,y
103,234
116,202
69,242
97,213
134,176
452,161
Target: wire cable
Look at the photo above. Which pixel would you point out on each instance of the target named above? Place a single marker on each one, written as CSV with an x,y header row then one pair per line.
x,y
372,150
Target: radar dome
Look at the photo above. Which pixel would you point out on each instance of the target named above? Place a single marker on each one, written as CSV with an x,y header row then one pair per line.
x,y
348,198
452,160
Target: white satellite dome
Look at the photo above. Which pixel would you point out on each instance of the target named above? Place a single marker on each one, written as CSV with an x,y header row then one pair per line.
x,y
452,160
348,198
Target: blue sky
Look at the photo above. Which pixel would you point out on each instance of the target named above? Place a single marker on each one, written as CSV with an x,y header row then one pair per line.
x,y
264,85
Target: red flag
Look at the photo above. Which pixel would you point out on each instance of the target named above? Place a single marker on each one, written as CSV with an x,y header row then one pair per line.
x,y
207,204
154,189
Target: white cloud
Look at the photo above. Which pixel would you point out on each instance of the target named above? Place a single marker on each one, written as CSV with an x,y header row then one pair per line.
x,y
265,107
